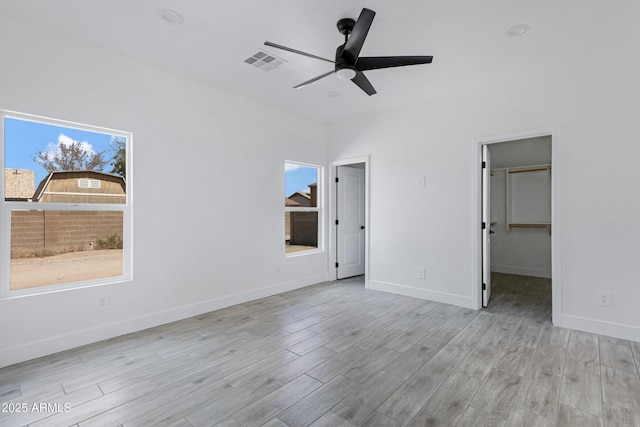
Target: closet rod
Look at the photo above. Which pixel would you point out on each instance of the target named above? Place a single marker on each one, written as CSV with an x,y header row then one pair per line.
x,y
544,166
529,170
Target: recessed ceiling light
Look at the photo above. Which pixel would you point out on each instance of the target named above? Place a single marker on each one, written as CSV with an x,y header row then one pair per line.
x,y
169,16
517,30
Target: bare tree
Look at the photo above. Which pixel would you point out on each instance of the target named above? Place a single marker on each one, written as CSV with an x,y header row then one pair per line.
x,y
71,156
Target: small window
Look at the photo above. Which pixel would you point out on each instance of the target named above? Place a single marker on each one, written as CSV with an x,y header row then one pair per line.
x,y
302,203
66,207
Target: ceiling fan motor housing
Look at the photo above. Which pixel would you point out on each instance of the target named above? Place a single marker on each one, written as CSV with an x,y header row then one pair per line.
x,y
345,26
344,69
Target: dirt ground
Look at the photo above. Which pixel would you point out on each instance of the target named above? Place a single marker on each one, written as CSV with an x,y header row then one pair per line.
x,y
65,268
75,267
297,248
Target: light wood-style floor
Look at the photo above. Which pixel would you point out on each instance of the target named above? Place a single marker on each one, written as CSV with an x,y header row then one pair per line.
x,y
339,355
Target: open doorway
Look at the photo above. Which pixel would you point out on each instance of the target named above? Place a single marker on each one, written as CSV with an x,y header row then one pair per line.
x,y
350,218
519,200
518,183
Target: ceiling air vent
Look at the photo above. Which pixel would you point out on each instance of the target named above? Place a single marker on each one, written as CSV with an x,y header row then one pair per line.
x,y
265,61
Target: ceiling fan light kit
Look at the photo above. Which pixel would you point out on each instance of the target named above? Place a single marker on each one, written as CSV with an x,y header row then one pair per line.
x,y
346,73
348,65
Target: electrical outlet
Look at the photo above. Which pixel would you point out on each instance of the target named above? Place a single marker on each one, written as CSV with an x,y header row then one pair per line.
x,y
422,273
422,182
102,303
604,298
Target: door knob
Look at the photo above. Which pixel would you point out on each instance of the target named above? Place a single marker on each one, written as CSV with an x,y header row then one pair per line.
x,y
362,227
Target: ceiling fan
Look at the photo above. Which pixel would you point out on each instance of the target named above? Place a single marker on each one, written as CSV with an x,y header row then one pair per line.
x,y
348,64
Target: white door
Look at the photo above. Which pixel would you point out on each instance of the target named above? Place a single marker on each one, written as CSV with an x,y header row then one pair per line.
x,y
486,226
350,224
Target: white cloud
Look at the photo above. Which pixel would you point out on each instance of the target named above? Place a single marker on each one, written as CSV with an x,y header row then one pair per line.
x,y
291,166
54,148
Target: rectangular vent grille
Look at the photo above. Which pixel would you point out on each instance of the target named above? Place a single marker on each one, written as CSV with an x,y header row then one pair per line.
x,y
88,183
265,61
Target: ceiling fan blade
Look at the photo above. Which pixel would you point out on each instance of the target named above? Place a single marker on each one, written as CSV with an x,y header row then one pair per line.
x,y
354,44
377,62
314,79
299,52
363,83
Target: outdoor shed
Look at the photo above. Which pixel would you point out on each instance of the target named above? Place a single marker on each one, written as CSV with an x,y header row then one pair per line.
x,y
83,186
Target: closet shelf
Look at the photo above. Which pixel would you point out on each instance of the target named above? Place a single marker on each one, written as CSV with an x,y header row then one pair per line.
x,y
534,225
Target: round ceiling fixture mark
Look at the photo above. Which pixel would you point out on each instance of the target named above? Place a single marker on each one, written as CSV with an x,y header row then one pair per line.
x,y
517,30
170,17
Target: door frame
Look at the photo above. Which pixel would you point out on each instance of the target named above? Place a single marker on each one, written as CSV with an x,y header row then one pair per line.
x,y
555,132
485,230
333,207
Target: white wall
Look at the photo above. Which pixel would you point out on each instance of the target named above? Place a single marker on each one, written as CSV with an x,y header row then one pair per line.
x,y
523,251
207,188
594,98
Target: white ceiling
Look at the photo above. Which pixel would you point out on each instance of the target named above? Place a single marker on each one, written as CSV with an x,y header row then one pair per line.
x,y
466,37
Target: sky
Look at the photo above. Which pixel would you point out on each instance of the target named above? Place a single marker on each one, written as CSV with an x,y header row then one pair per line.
x,y
298,177
24,139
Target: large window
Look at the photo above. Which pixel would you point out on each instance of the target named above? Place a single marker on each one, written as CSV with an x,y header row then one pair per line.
x,y
66,216
302,201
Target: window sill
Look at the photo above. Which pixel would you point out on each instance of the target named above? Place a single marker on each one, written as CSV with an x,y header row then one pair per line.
x,y
50,289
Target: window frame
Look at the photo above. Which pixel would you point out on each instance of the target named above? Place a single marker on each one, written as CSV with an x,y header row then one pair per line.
x,y
319,209
6,207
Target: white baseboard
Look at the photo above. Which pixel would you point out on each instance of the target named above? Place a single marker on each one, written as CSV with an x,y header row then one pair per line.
x,y
443,297
600,327
58,343
520,271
